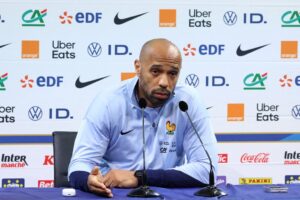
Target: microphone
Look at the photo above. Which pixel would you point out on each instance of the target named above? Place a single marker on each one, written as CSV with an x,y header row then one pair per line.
x,y
211,190
143,104
143,190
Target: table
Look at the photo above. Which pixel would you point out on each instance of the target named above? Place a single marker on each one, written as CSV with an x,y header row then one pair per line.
x,y
235,192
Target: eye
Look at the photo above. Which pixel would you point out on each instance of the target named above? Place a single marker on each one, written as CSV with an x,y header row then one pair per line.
x,y
173,74
154,72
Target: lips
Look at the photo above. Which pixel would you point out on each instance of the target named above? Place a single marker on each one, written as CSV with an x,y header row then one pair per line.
x,y
161,95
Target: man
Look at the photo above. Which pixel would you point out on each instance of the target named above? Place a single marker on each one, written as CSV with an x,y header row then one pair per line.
x,y
109,145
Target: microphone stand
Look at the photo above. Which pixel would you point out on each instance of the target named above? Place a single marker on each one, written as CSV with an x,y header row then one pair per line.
x,y
143,190
211,190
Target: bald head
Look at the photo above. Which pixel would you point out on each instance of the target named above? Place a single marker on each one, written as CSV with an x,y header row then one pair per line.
x,y
160,47
158,70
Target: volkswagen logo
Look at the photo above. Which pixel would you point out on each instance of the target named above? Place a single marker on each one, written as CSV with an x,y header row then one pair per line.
x,y
35,113
94,49
296,111
192,80
230,18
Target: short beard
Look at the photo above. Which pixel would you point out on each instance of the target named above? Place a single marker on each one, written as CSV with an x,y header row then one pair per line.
x,y
150,97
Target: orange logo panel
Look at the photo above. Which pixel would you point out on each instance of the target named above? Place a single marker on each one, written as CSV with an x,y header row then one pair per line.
x,y
30,49
167,18
289,49
235,112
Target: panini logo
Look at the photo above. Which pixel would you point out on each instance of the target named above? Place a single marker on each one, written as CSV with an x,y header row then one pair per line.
x,y
127,75
289,49
167,18
235,112
30,49
255,181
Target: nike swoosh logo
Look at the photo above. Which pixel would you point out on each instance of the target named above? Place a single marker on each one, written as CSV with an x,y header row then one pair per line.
x,y
119,21
209,107
4,45
240,52
124,133
80,84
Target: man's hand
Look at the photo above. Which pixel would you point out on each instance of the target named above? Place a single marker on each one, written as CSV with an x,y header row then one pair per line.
x,y
120,178
96,185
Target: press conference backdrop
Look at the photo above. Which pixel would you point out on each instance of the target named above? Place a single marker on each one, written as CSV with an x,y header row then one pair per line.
x,y
242,56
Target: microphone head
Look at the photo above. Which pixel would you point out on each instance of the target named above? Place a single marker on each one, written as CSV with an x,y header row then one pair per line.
x,y
142,103
183,106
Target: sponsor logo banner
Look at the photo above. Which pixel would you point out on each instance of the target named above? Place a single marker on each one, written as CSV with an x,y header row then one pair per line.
x,y
255,181
167,18
13,161
235,112
292,179
255,158
45,183
13,183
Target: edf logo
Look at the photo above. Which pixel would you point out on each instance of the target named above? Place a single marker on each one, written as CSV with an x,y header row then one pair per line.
x,y
81,17
211,49
204,49
88,17
42,81
49,81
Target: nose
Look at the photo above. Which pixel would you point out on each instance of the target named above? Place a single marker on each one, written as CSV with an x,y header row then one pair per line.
x,y
163,81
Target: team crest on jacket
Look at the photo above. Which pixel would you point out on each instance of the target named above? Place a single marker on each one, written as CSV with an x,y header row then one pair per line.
x,y
171,127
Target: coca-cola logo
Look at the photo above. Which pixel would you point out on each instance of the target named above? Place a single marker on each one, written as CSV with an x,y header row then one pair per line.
x,y
256,158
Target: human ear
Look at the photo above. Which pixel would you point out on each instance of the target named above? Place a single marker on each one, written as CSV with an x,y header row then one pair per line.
x,y
137,66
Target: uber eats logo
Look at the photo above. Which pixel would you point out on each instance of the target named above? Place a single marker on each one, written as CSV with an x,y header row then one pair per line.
x,y
63,50
199,18
6,114
267,112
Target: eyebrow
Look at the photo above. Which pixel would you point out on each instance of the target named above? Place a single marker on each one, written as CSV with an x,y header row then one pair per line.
x,y
160,66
